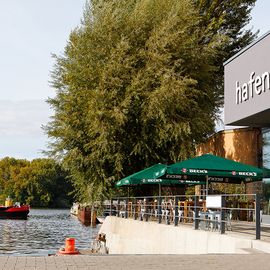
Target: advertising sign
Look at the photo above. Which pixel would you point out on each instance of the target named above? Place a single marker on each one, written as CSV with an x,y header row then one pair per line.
x,y
213,201
247,85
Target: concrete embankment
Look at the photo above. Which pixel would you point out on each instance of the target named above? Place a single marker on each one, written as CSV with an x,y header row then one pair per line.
x,y
127,236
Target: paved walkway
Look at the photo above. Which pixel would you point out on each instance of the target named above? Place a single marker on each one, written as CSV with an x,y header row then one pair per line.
x,y
131,262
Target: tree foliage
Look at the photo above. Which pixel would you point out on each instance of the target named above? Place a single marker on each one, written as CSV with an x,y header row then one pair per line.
x,y
139,83
40,183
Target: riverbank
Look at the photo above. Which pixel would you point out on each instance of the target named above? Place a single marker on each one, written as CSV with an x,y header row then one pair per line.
x,y
132,262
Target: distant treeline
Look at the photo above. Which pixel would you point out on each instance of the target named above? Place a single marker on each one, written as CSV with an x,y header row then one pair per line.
x,y
40,182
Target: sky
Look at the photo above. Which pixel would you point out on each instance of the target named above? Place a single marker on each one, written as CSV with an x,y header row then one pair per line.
x,y
31,30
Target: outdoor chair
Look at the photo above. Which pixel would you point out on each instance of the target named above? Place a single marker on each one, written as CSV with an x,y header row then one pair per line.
x,y
122,213
214,220
180,215
203,220
162,213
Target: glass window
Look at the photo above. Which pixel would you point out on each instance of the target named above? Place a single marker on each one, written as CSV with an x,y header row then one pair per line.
x,y
266,148
266,164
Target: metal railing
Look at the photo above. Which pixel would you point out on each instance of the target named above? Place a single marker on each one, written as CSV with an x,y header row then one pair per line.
x,y
218,213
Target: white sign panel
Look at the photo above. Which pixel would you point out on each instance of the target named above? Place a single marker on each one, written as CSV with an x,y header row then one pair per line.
x,y
213,201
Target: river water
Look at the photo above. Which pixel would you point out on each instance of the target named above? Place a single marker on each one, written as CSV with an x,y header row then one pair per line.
x,y
43,233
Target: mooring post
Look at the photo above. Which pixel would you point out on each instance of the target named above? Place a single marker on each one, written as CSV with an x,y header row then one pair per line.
x,y
258,216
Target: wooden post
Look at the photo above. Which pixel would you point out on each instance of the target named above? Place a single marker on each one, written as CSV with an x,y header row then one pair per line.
x,y
93,217
130,205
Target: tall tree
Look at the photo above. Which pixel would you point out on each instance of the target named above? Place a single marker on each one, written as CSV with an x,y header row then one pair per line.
x,y
139,83
228,18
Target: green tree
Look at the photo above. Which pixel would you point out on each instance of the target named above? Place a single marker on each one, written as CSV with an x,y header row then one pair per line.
x,y
40,183
9,170
139,83
45,184
228,18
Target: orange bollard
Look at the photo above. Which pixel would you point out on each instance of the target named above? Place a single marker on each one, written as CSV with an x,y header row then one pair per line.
x,y
70,244
69,248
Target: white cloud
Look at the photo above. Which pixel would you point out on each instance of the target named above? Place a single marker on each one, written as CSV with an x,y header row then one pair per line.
x,y
20,118
22,147
21,135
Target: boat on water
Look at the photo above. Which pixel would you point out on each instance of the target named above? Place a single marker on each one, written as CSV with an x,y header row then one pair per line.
x,y
74,209
13,211
85,213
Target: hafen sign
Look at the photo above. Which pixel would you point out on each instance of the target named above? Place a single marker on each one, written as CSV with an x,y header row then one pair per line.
x,y
247,85
255,86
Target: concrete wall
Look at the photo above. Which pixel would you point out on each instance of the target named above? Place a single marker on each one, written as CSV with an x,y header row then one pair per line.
x,y
127,236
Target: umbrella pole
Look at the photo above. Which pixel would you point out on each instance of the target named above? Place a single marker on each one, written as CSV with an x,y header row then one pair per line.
x,y
159,190
206,192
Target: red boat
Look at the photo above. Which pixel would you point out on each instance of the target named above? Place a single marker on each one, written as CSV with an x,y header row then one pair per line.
x,y
14,211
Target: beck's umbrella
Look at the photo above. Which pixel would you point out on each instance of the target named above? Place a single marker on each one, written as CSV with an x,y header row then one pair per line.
x,y
215,169
147,176
155,174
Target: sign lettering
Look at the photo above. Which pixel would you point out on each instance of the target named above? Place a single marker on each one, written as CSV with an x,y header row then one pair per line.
x,y
257,85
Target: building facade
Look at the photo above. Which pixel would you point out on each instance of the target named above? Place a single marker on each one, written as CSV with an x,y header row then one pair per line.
x,y
243,145
247,103
247,85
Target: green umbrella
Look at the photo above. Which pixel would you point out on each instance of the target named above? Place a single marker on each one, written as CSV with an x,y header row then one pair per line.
x,y
147,176
266,173
215,169
155,175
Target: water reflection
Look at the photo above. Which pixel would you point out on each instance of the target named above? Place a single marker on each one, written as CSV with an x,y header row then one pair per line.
x,y
43,233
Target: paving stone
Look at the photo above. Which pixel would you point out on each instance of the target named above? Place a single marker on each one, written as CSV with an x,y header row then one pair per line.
x,y
143,262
